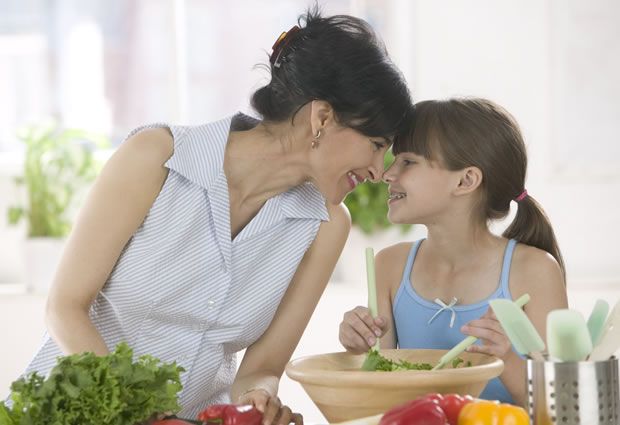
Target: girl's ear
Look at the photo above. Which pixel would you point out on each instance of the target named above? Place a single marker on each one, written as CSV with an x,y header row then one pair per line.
x,y
470,180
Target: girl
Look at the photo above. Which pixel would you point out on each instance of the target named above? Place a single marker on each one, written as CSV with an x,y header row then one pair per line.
x,y
198,242
461,166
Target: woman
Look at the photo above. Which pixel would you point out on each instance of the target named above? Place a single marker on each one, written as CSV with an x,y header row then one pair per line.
x,y
198,242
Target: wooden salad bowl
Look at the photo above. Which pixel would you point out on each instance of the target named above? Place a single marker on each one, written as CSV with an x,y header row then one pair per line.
x,y
342,391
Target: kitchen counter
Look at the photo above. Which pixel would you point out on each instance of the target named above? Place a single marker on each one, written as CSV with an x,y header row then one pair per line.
x,y
22,326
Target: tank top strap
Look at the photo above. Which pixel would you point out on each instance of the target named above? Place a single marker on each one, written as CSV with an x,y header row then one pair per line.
x,y
410,259
505,275
405,286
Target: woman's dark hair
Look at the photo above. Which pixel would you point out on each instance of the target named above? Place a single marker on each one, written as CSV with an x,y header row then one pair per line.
x,y
340,60
461,133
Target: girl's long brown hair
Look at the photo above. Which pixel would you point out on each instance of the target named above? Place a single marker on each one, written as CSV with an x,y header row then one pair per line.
x,y
466,132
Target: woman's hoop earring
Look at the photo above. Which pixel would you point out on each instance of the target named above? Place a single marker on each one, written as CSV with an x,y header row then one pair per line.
x,y
315,142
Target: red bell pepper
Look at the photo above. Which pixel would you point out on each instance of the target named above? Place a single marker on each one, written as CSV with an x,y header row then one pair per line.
x,y
416,412
231,414
451,404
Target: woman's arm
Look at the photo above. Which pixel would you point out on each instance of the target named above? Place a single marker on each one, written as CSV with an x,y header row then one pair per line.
x,y
116,206
265,360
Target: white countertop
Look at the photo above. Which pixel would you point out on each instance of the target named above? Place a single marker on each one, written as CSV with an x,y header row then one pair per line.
x,y
22,326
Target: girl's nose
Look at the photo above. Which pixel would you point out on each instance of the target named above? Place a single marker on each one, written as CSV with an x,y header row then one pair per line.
x,y
389,176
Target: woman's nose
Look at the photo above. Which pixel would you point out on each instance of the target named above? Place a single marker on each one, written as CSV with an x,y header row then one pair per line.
x,y
375,176
376,169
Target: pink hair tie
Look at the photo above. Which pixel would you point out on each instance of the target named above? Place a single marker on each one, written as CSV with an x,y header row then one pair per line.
x,y
521,196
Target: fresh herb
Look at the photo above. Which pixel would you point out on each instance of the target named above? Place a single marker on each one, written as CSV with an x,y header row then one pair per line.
x,y
457,361
376,362
405,365
89,389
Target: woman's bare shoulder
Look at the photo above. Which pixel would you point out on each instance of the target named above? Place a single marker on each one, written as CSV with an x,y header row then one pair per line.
x,y
152,144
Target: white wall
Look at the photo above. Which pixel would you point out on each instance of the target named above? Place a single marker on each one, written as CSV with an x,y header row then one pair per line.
x,y
552,63
542,60
11,238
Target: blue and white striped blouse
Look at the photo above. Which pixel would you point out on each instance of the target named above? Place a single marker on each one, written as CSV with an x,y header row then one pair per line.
x,y
182,290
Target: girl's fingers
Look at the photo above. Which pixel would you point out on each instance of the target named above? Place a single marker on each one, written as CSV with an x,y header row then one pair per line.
x,y
493,325
370,322
490,332
484,349
497,350
381,323
356,322
493,343
358,344
359,330
351,340
492,336
484,334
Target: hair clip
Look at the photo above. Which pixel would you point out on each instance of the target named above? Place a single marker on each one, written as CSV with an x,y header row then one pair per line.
x,y
278,47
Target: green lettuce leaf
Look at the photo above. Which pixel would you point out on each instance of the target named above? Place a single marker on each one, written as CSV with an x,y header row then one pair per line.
x,y
376,362
89,389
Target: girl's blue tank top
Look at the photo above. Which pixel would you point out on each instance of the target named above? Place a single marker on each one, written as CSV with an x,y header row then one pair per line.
x,y
421,323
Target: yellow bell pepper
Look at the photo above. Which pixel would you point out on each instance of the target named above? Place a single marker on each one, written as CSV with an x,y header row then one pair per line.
x,y
492,413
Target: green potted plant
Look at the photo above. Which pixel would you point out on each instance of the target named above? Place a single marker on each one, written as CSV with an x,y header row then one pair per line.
x,y
58,164
368,205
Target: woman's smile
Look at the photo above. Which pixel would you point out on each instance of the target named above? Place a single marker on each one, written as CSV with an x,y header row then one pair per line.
x,y
354,179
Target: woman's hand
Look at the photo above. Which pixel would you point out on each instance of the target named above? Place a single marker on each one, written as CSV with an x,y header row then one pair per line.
x,y
274,413
359,330
490,332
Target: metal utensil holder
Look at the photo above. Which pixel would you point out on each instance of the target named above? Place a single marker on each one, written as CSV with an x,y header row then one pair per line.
x,y
573,393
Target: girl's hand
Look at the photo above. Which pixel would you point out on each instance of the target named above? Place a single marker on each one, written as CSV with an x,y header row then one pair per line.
x,y
490,332
359,331
274,413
